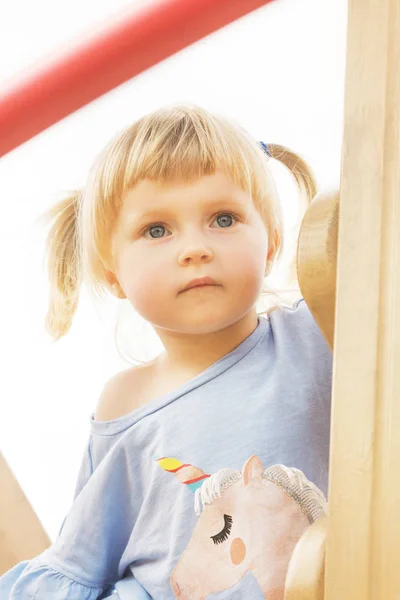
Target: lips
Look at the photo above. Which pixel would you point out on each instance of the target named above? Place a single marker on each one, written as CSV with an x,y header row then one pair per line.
x,y
202,281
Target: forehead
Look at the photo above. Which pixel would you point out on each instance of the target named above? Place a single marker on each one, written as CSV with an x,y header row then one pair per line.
x,y
174,196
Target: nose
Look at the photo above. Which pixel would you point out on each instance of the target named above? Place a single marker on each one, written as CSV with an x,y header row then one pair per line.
x,y
195,253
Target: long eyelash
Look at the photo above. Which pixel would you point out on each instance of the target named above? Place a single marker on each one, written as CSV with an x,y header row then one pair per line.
x,y
224,534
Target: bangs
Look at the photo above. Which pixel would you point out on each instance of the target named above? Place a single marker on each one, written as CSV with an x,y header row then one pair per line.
x,y
182,144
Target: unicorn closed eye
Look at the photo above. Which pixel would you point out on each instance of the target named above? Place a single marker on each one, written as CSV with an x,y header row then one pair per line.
x,y
248,521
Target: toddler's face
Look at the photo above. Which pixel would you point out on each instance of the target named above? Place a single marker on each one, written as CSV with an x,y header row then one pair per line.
x,y
208,227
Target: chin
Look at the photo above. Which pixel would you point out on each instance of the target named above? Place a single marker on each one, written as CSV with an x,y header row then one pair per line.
x,y
202,322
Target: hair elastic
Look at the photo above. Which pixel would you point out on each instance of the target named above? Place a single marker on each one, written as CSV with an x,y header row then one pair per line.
x,y
265,148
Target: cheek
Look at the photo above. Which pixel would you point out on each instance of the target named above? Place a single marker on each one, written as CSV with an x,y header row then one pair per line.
x,y
247,260
237,551
141,278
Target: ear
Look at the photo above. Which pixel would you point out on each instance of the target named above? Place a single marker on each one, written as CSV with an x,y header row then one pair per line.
x,y
271,252
114,286
252,469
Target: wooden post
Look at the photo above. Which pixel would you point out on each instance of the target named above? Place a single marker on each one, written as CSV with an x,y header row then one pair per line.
x,y
363,544
21,534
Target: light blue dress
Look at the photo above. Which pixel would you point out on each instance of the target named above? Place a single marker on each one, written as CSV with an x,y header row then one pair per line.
x,y
133,514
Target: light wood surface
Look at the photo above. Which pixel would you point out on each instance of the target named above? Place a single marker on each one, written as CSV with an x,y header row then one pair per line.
x,y
361,537
317,259
305,576
22,536
363,543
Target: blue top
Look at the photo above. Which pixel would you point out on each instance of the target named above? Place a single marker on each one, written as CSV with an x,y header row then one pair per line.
x,y
134,507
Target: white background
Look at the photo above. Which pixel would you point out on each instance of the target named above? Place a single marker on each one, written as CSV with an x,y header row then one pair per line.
x,y
279,72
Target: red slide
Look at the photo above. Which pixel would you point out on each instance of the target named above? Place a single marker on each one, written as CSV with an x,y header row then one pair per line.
x,y
100,63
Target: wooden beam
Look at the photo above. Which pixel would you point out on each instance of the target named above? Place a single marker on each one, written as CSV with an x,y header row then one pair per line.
x,y
21,534
317,260
363,544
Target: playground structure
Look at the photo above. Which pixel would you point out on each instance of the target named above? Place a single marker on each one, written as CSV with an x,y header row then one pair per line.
x,y
349,274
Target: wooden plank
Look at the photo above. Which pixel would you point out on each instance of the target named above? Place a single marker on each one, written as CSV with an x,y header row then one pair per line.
x,y
21,534
363,545
306,573
317,260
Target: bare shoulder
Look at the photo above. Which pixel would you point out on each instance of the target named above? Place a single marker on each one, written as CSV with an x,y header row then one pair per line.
x,y
122,393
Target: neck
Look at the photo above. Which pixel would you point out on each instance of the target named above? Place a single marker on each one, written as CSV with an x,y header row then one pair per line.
x,y
194,353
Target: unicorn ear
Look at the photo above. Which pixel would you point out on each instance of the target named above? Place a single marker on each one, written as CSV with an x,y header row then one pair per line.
x,y
252,469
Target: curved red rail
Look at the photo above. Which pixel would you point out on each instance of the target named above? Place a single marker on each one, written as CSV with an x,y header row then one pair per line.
x,y
113,56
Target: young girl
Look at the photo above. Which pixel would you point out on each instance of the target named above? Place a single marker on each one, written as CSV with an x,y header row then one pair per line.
x,y
180,216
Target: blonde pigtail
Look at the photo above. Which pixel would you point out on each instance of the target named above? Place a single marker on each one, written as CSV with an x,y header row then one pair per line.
x,y
64,264
299,168
306,186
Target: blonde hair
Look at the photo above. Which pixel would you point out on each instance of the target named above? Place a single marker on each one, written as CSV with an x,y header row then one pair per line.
x,y
182,142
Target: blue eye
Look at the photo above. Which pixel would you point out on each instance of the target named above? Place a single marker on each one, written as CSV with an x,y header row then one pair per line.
x,y
226,219
157,230
155,227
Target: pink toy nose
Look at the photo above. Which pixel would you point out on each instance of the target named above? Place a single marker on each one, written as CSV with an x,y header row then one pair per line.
x,y
182,592
175,587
